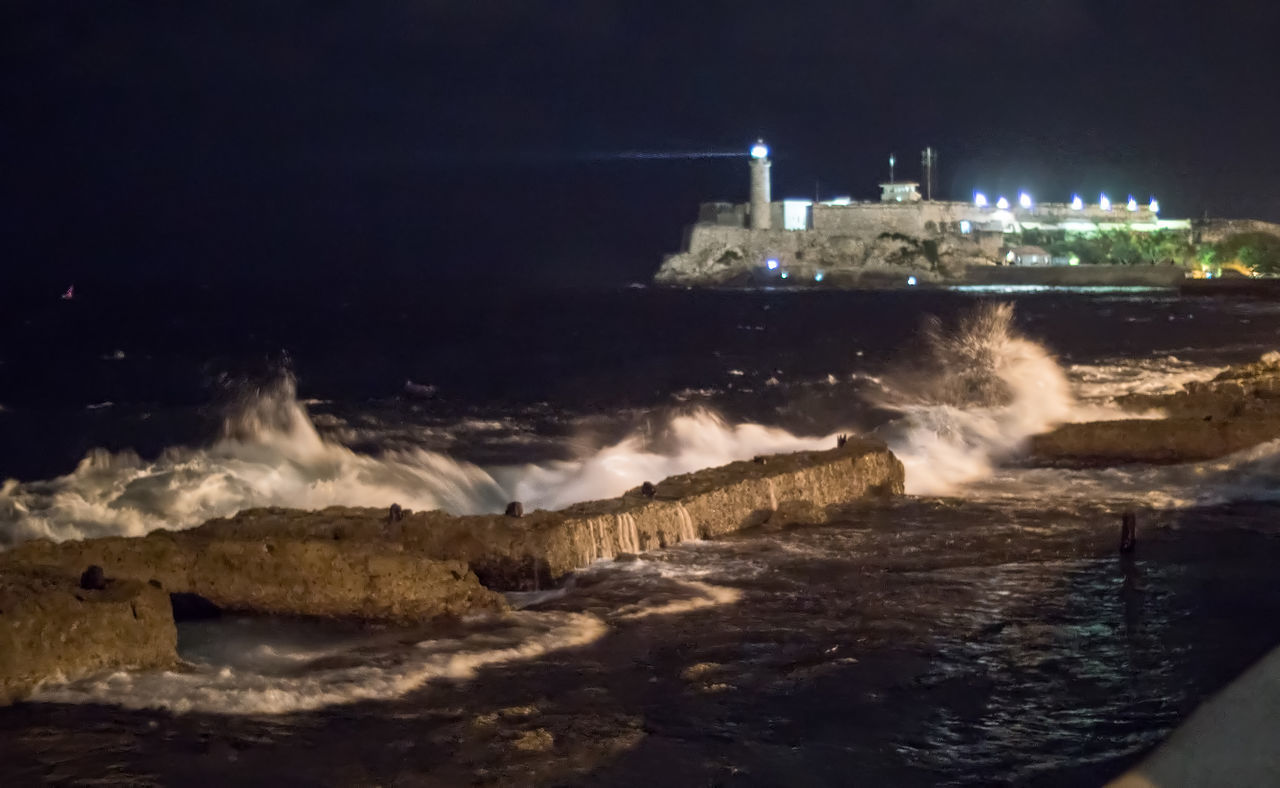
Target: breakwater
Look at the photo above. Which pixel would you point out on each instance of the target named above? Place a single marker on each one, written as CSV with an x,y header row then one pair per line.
x,y
368,564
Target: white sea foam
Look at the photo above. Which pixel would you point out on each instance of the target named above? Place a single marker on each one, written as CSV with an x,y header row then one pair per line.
x,y
1247,475
703,595
270,454
688,443
980,392
1104,382
250,677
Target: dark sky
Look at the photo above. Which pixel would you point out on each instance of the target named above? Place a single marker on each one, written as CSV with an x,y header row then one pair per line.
x,y
456,140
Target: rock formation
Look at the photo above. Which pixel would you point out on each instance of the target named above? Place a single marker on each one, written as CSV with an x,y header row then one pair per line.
x,y
1235,410
843,260
362,563
51,627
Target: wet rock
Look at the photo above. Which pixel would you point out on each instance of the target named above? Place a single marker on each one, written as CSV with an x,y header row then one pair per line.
x,y
355,578
1155,441
1244,391
536,740
626,558
515,509
396,514
648,490
52,627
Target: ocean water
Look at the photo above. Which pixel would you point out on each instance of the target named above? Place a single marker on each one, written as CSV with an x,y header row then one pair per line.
x,y
981,629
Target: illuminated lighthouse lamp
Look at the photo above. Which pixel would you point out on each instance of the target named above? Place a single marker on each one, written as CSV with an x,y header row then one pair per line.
x,y
760,150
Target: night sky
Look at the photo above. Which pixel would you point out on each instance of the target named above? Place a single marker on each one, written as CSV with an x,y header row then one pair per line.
x,y
463,141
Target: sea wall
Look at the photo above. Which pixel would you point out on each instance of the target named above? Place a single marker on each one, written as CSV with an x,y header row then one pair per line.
x,y
535,550
1215,230
1229,740
50,627
365,563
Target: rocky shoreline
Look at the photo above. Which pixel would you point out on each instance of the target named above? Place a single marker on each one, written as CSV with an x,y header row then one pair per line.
x,y
60,619
1237,409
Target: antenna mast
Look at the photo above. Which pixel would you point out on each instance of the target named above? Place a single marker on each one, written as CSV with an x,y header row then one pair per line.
x,y
929,160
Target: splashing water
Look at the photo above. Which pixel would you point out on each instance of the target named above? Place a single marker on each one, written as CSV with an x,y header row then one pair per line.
x,y
270,454
981,391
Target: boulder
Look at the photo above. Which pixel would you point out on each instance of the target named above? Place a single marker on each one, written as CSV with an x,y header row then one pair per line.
x,y
50,627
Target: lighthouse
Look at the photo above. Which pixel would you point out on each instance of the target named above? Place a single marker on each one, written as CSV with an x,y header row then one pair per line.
x,y
760,218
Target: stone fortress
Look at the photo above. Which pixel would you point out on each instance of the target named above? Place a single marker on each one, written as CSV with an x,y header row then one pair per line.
x,y
904,238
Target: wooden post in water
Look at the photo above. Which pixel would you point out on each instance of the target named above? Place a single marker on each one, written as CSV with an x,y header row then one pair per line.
x,y
1128,532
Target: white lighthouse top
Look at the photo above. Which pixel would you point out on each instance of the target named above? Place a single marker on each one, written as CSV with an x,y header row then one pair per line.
x,y
759,150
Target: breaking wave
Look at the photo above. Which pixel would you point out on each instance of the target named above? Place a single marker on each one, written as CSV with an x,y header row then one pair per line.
x,y
974,395
978,393
270,454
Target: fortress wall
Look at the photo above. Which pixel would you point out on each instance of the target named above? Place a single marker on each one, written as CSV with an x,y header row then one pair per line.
x,y
782,243
1215,230
869,219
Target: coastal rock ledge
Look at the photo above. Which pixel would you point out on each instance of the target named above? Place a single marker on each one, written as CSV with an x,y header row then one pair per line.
x,y
51,627
362,563
1237,409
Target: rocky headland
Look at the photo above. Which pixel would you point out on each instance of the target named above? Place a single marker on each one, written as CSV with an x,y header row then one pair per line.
x,y
74,608
1237,409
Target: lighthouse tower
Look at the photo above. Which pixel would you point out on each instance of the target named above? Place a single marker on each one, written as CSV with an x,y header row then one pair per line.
x,y
759,217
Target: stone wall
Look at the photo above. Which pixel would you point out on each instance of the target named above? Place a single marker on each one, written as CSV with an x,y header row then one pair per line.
x,y
515,553
1216,230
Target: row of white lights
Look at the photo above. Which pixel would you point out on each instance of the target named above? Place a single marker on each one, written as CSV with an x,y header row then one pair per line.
x,y
1024,200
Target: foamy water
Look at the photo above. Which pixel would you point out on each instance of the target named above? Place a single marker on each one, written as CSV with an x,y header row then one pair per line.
x,y
970,399
272,667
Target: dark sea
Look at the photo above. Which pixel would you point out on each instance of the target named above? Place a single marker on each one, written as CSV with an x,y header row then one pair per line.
x,y
982,629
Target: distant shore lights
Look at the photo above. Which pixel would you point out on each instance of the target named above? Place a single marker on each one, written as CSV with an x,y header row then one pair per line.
x,y
1132,205
1024,200
1002,204
1077,204
980,200
1103,202
771,264
759,150
1155,206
